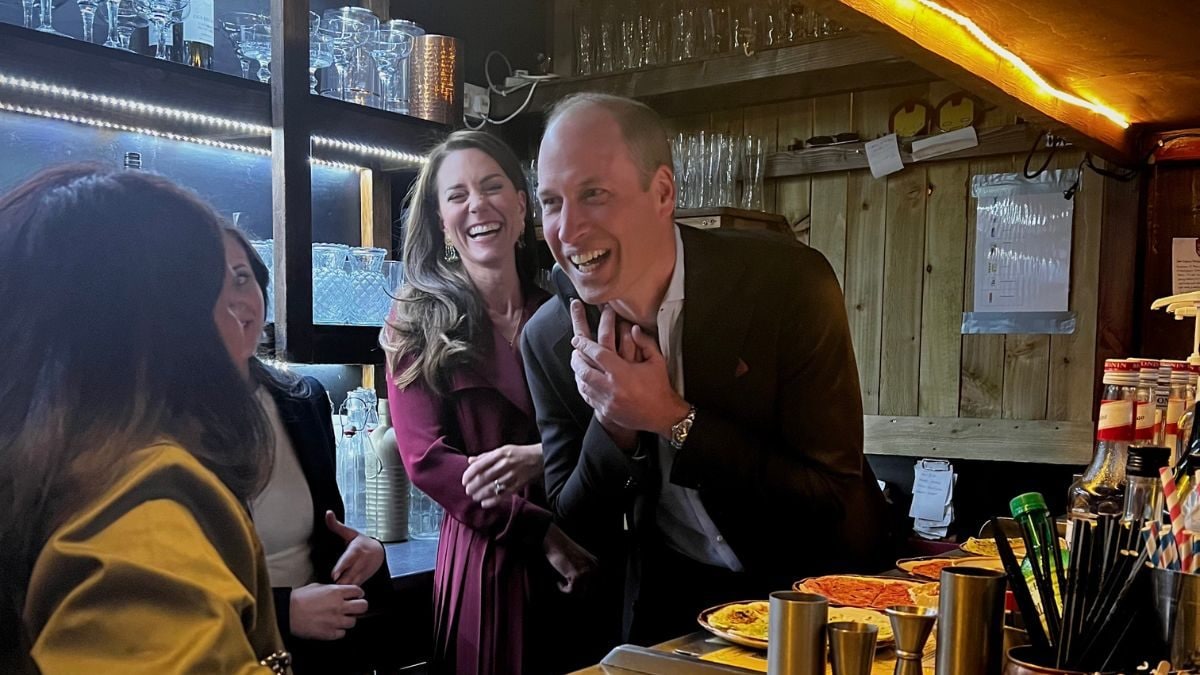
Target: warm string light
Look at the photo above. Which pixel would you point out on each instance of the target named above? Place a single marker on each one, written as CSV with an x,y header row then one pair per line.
x,y
1025,69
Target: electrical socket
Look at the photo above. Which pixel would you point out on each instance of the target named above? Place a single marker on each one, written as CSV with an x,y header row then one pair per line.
x,y
477,102
1056,141
516,81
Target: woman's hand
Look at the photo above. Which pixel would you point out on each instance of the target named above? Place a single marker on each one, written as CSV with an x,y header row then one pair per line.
x,y
570,560
505,470
363,555
325,611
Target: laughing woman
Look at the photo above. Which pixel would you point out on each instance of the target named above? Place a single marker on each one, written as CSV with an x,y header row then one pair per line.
x,y
462,412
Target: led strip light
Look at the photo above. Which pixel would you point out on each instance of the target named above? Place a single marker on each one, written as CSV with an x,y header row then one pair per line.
x,y
179,115
1026,70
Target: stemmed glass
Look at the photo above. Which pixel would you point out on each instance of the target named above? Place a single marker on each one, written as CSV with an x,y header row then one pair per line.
x,y
231,25
163,14
110,17
128,20
351,28
46,24
27,12
87,12
256,44
320,54
391,45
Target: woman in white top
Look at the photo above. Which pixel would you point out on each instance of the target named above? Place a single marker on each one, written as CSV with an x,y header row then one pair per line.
x,y
322,572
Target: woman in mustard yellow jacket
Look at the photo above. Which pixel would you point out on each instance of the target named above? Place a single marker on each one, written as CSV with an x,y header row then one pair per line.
x,y
128,444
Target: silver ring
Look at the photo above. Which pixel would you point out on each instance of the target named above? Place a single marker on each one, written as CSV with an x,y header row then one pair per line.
x,y
498,487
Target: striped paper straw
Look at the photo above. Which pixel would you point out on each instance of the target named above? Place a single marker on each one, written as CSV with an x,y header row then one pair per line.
x,y
1172,496
1168,551
1150,539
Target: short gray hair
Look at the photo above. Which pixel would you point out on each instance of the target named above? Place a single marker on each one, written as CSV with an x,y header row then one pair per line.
x,y
643,130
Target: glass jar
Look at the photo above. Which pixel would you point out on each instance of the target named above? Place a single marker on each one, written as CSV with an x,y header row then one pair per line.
x,y
424,516
368,297
331,283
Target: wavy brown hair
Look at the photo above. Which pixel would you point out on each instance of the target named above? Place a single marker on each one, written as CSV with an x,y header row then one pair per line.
x,y
107,282
439,317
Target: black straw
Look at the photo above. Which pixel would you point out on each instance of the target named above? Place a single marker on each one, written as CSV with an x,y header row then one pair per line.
x,y
1020,589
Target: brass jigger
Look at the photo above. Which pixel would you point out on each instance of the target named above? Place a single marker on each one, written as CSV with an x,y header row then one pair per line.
x,y
911,626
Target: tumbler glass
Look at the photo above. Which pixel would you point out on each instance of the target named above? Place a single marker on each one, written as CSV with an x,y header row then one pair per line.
x,y
331,283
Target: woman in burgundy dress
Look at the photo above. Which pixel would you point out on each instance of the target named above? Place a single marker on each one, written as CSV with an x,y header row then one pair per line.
x,y
462,412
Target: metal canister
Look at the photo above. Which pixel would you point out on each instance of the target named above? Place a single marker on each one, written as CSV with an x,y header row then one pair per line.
x,y
970,630
435,69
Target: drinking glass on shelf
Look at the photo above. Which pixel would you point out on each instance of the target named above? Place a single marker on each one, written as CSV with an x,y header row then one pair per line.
x,y
110,19
46,18
607,54
424,515
27,7
265,248
585,39
256,44
331,283
629,43
715,21
163,14
390,47
753,164
368,299
87,12
231,25
320,54
351,28
683,31
128,20
393,271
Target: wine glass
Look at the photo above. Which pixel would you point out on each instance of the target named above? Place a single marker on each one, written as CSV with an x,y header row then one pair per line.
x,y
391,45
27,12
351,28
163,14
256,44
46,18
110,18
231,25
87,12
128,20
320,54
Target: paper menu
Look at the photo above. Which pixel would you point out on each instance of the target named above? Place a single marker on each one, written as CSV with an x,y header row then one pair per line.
x,y
1023,252
883,155
1185,265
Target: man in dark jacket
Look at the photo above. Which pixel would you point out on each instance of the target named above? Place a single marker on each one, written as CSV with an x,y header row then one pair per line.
x,y
710,404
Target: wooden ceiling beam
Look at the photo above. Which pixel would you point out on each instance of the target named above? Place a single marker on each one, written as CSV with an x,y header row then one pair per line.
x,y
949,52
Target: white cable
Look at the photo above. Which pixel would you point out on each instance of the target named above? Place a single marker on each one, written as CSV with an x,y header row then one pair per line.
x,y
488,75
532,88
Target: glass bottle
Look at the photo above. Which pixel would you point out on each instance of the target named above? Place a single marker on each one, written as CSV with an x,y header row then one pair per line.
x,y
1188,448
1143,415
352,454
1100,488
1177,402
1143,489
1032,514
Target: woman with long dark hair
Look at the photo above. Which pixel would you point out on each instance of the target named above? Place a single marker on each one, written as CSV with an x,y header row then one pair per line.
x,y
128,444
323,573
462,412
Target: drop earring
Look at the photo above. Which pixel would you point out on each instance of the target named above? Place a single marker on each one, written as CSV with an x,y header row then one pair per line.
x,y
449,253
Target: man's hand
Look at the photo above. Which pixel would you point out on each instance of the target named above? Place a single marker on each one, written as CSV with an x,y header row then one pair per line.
x,y
616,335
627,394
505,471
574,564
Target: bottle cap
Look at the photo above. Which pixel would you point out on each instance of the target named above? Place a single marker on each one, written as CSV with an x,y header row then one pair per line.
x,y
1027,503
1145,460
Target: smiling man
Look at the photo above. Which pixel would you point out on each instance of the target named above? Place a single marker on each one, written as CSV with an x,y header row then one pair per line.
x,y
714,406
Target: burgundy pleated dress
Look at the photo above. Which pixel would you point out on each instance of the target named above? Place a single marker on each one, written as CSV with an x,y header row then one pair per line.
x,y
490,562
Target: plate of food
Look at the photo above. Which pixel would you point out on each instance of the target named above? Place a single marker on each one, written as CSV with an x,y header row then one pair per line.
x,y
845,590
931,568
742,623
987,547
746,623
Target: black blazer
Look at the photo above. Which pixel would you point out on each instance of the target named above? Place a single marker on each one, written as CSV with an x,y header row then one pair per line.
x,y
776,449
304,409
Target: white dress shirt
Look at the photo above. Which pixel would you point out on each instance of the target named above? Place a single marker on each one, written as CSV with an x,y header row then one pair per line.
x,y
681,518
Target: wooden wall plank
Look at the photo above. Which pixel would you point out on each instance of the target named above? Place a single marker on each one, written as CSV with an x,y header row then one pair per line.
x,y
982,390
942,299
831,115
865,235
1040,441
792,193
902,282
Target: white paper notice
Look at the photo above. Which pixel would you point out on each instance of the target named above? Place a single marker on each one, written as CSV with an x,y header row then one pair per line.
x,y
1185,265
1023,252
932,507
883,154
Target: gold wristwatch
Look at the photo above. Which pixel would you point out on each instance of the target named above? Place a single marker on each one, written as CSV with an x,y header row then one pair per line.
x,y
679,430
